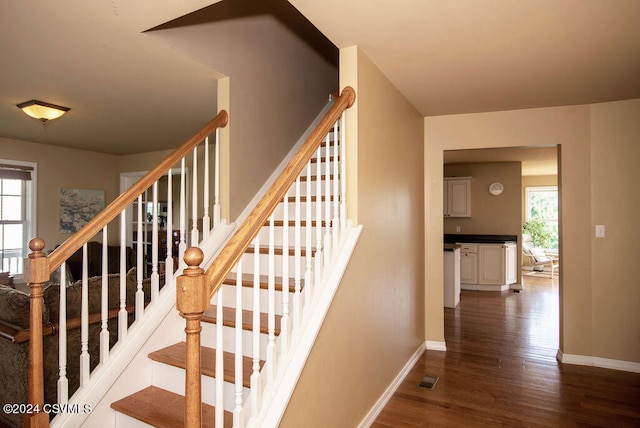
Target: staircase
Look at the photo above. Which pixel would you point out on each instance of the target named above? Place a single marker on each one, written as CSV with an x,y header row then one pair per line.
x,y
253,302
273,275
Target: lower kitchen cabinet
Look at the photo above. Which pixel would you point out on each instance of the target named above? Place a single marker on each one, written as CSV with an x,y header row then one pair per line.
x,y
488,266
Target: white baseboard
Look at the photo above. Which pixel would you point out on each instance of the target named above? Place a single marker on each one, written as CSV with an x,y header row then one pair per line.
x,y
432,345
605,363
482,287
391,389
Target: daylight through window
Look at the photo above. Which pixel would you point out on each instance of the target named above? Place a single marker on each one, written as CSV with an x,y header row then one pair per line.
x,y
542,204
16,213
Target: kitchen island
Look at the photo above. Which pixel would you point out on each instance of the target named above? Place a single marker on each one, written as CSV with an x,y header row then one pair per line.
x,y
487,262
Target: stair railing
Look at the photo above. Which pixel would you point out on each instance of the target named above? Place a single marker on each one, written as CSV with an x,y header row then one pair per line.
x,y
192,302
39,267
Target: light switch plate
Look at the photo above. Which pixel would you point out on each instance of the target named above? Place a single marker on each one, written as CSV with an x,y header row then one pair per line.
x,y
599,230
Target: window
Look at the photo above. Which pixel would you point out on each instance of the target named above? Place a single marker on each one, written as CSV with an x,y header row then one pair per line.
x,y
17,213
542,204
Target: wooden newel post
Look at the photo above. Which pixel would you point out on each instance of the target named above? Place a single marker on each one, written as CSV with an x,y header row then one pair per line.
x,y
192,299
36,270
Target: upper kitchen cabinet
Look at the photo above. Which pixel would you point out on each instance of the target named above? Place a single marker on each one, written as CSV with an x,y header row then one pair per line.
x,y
457,196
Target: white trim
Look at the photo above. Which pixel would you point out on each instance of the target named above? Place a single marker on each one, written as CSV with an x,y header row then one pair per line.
x,y
431,345
370,418
605,363
276,396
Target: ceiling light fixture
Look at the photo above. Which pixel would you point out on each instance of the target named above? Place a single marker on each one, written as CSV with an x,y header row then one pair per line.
x,y
41,110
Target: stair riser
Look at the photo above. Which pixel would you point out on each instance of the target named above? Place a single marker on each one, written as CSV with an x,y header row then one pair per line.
x,y
208,338
229,298
173,379
278,233
303,188
124,421
248,260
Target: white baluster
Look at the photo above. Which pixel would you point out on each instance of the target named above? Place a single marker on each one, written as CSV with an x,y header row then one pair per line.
x,y
216,192
195,236
271,304
168,267
155,277
219,409
122,313
284,321
256,387
335,226
183,216
308,274
327,203
104,302
85,365
63,381
139,263
343,177
238,409
206,226
297,257
319,256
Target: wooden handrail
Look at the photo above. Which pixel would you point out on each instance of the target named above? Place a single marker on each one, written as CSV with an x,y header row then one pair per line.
x,y
231,253
71,245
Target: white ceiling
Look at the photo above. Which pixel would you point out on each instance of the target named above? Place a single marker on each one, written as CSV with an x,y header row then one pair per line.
x,y
130,92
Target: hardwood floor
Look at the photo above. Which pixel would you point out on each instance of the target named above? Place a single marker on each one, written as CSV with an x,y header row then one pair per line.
x,y
500,370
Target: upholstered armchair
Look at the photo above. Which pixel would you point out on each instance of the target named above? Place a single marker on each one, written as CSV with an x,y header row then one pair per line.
x,y
537,256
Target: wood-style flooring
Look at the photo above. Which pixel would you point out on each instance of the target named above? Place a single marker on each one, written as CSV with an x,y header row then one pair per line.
x,y
500,370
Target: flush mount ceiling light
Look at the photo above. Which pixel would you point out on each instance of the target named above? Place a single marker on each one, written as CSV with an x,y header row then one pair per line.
x,y
41,110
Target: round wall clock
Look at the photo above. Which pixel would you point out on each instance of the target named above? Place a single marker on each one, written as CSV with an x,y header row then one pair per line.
x,y
496,188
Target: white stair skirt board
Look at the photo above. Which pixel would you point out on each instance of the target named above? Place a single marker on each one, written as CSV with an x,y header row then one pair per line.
x,y
277,395
605,363
388,393
432,345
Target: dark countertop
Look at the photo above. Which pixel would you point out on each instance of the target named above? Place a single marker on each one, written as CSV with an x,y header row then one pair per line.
x,y
452,238
450,247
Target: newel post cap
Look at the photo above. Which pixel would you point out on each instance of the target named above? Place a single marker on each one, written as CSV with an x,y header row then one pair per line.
x,y
192,293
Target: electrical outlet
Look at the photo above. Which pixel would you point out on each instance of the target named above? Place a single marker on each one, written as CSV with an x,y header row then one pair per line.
x,y
458,229
599,230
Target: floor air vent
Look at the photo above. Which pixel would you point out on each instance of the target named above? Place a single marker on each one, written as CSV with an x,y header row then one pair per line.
x,y
428,382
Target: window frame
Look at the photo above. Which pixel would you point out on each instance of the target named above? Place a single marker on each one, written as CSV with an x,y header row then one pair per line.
x,y
531,189
30,200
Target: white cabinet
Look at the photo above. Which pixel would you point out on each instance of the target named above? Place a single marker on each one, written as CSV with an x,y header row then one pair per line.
x,y
488,266
457,197
468,264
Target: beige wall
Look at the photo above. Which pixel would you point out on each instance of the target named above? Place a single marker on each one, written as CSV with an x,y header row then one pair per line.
x,y
277,85
615,152
490,215
375,322
598,148
60,167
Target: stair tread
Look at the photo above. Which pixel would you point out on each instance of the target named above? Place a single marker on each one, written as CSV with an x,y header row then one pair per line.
x,y
175,355
229,319
292,223
278,251
163,409
247,281
292,199
315,177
